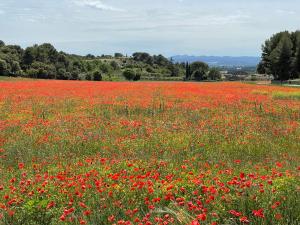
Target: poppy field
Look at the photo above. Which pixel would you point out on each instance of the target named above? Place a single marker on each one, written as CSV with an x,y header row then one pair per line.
x,y
78,152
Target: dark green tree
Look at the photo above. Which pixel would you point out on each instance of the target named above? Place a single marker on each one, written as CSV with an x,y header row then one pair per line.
x,y
261,68
3,68
29,56
187,71
280,56
88,76
97,76
281,59
129,74
214,74
199,70
118,55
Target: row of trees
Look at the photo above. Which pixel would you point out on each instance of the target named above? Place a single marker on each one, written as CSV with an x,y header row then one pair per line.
x,y
45,62
39,61
281,56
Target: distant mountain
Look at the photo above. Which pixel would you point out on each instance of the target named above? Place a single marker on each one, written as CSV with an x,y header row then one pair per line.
x,y
219,61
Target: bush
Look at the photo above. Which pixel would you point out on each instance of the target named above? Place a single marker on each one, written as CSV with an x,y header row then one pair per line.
x,y
114,65
129,74
97,76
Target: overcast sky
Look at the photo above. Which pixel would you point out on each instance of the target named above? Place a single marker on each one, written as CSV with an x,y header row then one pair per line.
x,y
194,27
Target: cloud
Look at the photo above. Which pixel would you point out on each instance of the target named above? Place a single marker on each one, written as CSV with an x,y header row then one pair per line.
x,y
289,12
2,12
97,4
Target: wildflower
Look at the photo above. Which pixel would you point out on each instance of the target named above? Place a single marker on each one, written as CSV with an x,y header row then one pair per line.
x,y
235,213
202,217
278,216
244,219
62,217
195,222
21,166
258,213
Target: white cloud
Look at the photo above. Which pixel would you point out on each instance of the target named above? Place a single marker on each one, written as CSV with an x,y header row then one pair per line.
x,y
282,11
97,4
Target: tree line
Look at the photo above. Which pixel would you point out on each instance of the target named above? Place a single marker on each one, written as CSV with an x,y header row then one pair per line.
x,y
281,56
45,62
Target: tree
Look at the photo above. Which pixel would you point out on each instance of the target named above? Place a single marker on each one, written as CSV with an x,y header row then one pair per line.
x,y
29,56
88,76
97,76
62,74
281,59
280,56
2,43
137,77
104,68
90,56
118,55
129,74
15,68
143,57
42,71
199,70
261,68
297,61
161,60
174,70
187,71
3,67
214,74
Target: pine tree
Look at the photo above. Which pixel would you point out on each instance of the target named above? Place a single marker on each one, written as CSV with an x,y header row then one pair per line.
x,y
285,59
297,62
187,71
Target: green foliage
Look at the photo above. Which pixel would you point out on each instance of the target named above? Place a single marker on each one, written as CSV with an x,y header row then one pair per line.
x,y
281,56
97,76
214,74
118,55
42,71
137,77
199,70
45,62
88,76
3,67
129,74
114,65
2,43
188,73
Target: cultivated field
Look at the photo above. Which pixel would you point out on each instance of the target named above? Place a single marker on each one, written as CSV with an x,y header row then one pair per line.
x,y
76,152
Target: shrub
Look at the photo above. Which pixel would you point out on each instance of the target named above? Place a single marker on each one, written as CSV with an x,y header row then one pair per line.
x,y
129,74
97,76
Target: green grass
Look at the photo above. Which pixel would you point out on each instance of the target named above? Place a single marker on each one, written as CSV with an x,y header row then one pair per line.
x,y
286,95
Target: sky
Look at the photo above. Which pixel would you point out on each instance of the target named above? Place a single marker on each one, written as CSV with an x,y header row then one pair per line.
x,y
169,27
